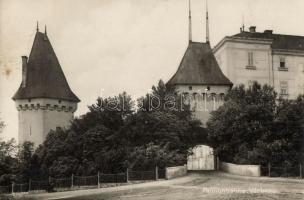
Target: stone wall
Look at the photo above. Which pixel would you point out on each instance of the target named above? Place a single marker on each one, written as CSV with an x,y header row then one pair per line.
x,y
173,172
243,170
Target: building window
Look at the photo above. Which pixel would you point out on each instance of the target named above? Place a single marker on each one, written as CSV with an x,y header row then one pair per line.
x,y
190,87
222,96
282,64
250,58
250,64
283,88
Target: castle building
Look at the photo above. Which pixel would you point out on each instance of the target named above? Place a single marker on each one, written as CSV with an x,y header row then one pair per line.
x,y
199,77
44,99
265,57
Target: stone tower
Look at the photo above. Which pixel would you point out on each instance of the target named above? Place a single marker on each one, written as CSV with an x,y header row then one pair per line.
x,y
199,77
44,99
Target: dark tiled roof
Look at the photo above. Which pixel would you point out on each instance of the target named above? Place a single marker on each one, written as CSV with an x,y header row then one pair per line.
x,y
199,67
45,78
287,42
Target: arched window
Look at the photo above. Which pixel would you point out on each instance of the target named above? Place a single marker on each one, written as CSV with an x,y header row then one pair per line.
x,y
204,96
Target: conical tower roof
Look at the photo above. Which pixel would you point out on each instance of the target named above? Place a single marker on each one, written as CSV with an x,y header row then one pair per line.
x,y
44,77
199,67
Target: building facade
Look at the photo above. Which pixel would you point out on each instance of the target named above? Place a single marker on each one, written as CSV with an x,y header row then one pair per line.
x,y
265,57
44,99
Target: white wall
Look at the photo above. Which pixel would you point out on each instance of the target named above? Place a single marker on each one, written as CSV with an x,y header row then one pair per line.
x,y
174,172
200,105
232,56
234,59
294,76
243,170
38,116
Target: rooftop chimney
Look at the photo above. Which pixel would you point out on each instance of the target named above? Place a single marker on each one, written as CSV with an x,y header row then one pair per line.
x,y
268,31
24,70
252,29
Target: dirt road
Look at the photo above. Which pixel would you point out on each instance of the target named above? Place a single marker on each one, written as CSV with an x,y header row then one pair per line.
x,y
209,186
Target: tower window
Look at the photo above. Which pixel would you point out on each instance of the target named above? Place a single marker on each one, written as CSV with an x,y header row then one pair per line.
x,y
194,95
204,96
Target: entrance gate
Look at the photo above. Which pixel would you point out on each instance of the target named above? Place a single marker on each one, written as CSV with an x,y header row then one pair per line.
x,y
201,159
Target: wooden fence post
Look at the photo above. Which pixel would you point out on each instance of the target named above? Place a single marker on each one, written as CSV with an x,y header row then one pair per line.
x,y
301,171
269,168
30,185
13,188
72,181
127,174
116,179
98,181
156,172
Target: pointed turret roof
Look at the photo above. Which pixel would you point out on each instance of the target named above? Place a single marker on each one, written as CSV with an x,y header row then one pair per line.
x,y
44,77
199,67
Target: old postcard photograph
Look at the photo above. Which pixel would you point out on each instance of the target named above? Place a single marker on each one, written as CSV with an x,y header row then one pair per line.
x,y
151,100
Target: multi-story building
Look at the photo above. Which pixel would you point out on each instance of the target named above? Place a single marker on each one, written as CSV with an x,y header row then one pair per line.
x,y
265,57
44,99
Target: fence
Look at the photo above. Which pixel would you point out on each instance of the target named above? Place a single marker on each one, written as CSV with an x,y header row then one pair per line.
x,y
275,171
74,182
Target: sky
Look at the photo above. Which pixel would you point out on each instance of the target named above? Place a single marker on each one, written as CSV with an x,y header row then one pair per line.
x,y
109,46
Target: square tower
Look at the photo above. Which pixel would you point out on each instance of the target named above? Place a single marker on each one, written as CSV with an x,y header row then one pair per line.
x,y
44,99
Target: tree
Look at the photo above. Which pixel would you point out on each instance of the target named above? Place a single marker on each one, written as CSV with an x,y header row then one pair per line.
x,y
89,144
242,123
254,127
163,121
7,160
24,168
